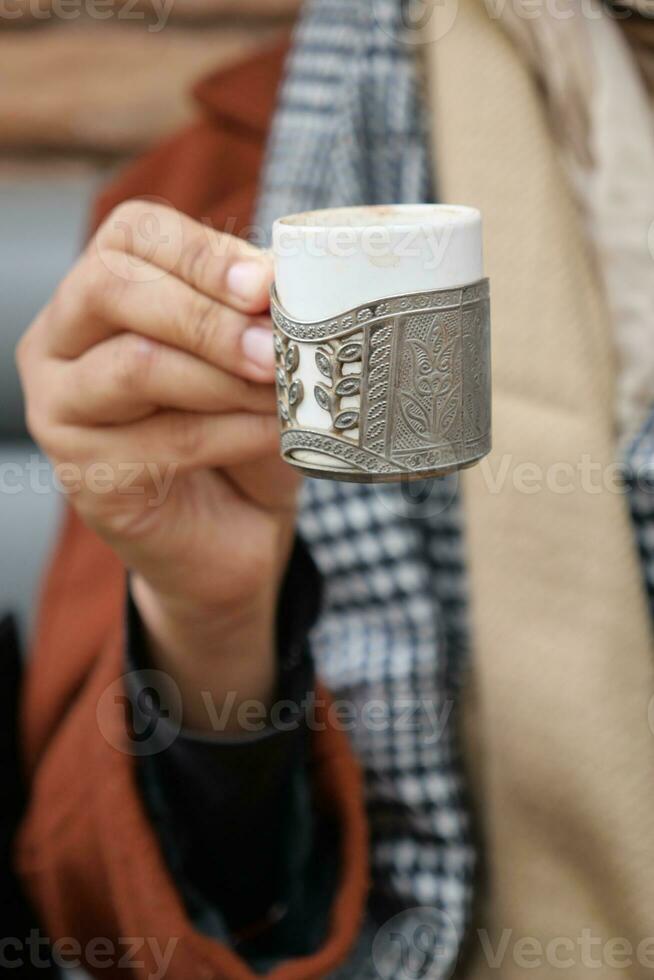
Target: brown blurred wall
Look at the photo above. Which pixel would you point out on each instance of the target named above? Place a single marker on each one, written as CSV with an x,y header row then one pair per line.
x,y
87,83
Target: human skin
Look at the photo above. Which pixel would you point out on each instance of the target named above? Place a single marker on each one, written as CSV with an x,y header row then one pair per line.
x,y
156,351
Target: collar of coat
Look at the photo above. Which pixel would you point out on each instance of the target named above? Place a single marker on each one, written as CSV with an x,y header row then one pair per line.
x,y
245,94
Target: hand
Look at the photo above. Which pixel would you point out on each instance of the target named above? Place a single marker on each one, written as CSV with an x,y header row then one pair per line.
x,y
149,376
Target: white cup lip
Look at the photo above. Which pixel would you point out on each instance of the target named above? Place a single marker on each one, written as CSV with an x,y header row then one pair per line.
x,y
396,217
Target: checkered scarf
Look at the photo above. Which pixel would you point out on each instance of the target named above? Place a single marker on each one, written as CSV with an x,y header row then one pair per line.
x,y
392,638
350,130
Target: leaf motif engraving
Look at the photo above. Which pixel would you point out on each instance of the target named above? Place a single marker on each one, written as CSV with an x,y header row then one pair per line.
x,y
280,374
295,392
423,357
346,420
350,385
278,344
323,397
350,352
324,364
415,415
449,411
292,358
283,411
443,363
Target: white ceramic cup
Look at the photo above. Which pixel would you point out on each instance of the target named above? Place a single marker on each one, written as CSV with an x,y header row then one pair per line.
x,y
382,336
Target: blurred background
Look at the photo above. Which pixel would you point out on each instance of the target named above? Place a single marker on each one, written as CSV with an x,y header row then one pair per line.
x,y
85,85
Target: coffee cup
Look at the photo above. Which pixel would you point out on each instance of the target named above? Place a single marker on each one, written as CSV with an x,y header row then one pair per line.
x,y
381,321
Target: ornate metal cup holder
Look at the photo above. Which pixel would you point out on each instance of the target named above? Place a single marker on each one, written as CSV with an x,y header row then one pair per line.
x,y
397,389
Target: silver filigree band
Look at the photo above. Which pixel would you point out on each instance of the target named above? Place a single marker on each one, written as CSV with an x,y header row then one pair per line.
x,y
400,388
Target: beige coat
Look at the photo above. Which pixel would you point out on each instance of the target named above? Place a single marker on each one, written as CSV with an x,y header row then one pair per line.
x,y
559,707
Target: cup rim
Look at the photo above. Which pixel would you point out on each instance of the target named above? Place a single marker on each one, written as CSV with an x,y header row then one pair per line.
x,y
393,216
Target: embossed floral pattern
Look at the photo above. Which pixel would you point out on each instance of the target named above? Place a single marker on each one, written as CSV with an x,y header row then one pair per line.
x,y
405,383
331,358
290,391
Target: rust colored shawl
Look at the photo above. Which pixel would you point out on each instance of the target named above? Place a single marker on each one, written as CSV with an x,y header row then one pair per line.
x,y
87,853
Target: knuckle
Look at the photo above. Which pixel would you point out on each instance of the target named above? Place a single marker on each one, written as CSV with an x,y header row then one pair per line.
x,y
124,218
195,259
63,301
81,293
33,422
140,227
97,283
200,325
23,352
37,396
66,302
40,428
131,364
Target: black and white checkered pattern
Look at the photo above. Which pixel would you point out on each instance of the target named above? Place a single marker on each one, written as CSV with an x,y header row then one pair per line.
x,y
639,479
350,130
391,642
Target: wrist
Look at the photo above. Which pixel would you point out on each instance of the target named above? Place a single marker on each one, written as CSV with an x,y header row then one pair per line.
x,y
217,656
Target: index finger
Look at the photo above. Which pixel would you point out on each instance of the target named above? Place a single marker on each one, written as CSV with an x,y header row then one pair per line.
x,y
221,266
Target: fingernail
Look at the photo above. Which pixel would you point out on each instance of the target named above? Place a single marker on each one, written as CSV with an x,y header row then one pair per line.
x,y
247,279
258,347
